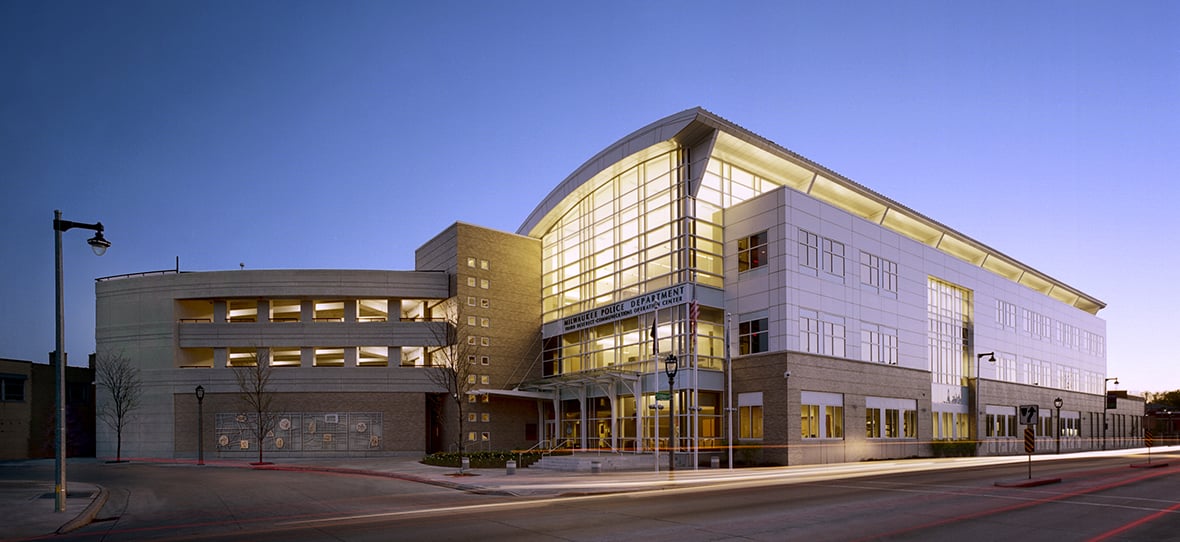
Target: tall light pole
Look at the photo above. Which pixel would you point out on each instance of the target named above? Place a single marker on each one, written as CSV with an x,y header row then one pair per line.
x,y
200,424
991,358
99,244
670,367
1057,403
1105,405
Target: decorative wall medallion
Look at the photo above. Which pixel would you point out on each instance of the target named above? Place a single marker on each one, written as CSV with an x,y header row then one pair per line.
x,y
285,424
279,442
223,440
270,434
361,427
374,441
311,427
327,437
241,418
244,444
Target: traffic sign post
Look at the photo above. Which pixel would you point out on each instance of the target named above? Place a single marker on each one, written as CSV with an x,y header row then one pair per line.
x,y
1148,440
1030,445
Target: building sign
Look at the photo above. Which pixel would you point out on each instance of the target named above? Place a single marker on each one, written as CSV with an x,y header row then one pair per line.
x,y
668,297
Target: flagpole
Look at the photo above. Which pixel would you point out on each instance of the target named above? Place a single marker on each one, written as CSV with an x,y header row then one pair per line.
x,y
728,391
655,352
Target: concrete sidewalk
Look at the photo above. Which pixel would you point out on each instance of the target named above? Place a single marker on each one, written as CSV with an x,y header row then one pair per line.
x,y
29,508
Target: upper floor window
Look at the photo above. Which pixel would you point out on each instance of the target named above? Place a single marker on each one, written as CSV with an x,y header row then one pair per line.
x,y
820,253
1005,314
753,336
752,252
821,333
877,273
12,388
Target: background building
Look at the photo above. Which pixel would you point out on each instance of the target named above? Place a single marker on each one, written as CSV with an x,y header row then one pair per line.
x,y
859,328
28,409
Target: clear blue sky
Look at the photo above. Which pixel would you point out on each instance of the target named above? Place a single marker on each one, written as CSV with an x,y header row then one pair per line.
x,y
345,134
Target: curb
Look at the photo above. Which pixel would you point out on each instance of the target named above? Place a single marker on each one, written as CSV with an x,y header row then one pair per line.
x,y
87,515
394,475
1029,483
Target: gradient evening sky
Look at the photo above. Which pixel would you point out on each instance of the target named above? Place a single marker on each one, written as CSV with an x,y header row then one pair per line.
x,y
345,134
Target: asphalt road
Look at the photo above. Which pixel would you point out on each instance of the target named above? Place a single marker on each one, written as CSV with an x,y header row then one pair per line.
x,y
1097,499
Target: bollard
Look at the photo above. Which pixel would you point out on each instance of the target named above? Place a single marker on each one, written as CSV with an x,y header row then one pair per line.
x,y
511,466
714,462
465,464
595,467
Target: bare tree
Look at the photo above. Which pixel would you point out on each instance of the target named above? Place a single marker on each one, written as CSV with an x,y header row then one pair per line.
x,y
452,368
256,395
120,378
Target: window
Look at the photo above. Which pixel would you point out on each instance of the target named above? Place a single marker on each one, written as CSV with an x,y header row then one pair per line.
x,y
470,301
471,281
750,415
471,359
471,436
821,333
752,252
1006,314
484,360
808,250
833,262
878,274
483,283
470,262
12,388
878,344
471,417
821,415
470,379
483,264
470,397
753,336
483,341
889,418
485,322
873,423
485,417
483,303
471,321
484,379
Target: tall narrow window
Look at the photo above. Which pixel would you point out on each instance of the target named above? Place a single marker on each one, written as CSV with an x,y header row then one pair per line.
x,y
750,415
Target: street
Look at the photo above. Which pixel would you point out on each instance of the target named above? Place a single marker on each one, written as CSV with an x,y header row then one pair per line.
x,y
1098,498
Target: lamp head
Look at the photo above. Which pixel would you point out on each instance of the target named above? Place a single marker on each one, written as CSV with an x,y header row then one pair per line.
x,y
200,392
991,356
98,243
670,365
1058,402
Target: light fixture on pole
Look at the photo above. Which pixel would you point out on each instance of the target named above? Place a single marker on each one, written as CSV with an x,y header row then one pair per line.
x,y
99,244
200,425
1057,404
991,358
1106,406
670,366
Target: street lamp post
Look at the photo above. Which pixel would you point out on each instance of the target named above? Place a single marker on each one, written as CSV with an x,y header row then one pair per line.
x,y
1105,404
99,244
670,367
991,358
200,425
1057,404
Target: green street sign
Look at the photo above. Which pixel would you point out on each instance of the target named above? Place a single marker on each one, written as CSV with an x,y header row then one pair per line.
x,y
663,395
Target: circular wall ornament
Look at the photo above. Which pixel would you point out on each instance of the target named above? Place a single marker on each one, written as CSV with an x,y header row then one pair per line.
x,y
361,427
223,440
279,442
241,418
285,424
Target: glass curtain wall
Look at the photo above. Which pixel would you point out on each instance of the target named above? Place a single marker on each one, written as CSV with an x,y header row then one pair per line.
x,y
627,238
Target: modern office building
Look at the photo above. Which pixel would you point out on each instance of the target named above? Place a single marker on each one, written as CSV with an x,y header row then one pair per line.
x,y
792,311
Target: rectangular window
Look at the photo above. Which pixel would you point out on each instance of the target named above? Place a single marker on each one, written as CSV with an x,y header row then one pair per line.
x,y
878,274
753,336
910,421
833,262
878,344
752,252
12,388
821,333
892,423
1006,314
821,415
808,250
873,423
809,421
750,415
